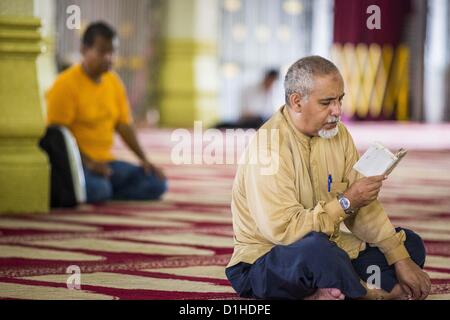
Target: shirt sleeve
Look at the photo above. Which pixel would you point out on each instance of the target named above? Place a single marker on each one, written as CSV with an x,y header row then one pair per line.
x,y
274,205
123,103
61,104
371,224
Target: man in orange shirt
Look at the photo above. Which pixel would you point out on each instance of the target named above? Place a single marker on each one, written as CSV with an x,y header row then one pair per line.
x,y
90,100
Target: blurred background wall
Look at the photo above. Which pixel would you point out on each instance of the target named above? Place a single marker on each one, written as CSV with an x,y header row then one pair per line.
x,y
186,60
138,24
259,34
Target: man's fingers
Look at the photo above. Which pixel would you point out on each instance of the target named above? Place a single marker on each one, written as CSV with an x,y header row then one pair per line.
x,y
160,174
373,188
373,194
105,172
376,178
425,290
416,291
412,289
424,295
427,281
407,290
149,169
369,197
368,184
102,169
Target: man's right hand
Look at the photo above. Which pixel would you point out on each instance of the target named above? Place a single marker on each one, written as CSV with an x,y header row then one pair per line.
x,y
412,279
364,191
100,168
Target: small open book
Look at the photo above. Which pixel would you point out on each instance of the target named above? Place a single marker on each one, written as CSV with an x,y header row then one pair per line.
x,y
378,160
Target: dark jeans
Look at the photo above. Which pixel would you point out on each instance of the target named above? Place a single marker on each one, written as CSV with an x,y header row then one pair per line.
x,y
297,270
127,182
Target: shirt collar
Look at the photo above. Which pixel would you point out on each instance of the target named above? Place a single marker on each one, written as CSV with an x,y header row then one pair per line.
x,y
85,75
303,138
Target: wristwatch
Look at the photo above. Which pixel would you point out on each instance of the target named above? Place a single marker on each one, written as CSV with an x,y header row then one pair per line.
x,y
345,204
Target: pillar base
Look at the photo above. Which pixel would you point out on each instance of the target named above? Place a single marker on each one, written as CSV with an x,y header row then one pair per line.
x,y
24,173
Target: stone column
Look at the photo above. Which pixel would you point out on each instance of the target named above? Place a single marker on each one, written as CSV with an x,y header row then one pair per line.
x,y
189,72
24,168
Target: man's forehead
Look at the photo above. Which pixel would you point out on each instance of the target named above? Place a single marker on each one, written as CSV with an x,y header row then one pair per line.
x,y
103,42
328,86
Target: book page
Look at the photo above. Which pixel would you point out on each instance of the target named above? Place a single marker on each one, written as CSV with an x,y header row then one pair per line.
x,y
377,160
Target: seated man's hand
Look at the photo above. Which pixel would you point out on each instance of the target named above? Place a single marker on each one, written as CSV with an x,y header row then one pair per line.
x,y
414,281
150,168
100,168
364,191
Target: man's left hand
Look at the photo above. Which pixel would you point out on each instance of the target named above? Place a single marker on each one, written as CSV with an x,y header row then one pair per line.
x,y
412,279
150,168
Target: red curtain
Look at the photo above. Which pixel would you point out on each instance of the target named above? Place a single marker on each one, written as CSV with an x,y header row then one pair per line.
x,y
350,17
350,27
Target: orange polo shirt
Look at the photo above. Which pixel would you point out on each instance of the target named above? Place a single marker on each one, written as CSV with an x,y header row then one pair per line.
x,y
90,110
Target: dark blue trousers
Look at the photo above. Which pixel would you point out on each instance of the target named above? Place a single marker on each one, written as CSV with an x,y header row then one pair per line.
x,y
297,270
127,182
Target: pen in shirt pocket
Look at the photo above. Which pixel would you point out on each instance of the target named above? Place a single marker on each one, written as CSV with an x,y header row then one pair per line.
x,y
330,180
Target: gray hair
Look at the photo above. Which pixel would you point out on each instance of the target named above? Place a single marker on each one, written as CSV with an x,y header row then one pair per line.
x,y
300,76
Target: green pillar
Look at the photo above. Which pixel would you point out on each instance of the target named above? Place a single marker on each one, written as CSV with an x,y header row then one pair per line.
x,y
24,168
189,76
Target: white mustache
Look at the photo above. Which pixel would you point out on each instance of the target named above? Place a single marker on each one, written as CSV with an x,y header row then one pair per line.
x,y
332,119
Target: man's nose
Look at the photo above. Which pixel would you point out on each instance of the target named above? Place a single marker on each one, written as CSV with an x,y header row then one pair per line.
x,y
336,109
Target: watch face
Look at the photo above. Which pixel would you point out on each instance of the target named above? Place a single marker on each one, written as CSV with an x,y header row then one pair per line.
x,y
345,203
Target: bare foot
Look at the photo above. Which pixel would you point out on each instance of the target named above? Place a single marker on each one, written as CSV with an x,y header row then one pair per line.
x,y
326,294
379,294
397,293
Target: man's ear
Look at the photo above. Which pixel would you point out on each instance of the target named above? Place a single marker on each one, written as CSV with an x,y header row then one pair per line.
x,y
295,101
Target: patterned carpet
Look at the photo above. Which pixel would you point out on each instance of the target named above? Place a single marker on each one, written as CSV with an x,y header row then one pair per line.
x,y
177,248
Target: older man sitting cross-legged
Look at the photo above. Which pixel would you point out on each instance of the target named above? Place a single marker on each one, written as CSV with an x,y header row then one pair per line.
x,y
287,215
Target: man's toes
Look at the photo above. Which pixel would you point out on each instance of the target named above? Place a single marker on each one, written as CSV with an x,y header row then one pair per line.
x,y
336,293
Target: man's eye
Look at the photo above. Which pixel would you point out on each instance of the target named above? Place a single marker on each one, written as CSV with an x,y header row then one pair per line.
x,y
325,103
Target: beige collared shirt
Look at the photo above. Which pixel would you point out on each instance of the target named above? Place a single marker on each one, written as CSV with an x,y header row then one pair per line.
x,y
278,202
